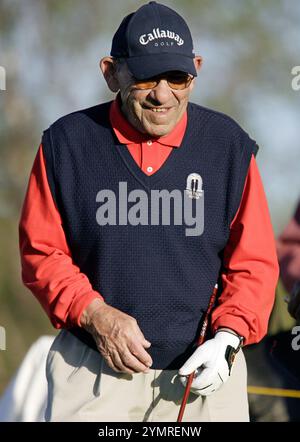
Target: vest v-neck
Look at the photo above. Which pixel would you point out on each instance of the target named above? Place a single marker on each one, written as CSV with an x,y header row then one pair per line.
x,y
148,181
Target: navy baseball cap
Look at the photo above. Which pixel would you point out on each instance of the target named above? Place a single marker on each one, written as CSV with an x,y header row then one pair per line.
x,y
153,40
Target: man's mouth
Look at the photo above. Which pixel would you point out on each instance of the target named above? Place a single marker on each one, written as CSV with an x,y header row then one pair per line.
x,y
154,109
162,110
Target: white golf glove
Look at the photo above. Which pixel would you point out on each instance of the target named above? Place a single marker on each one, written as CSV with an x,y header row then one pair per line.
x,y
212,362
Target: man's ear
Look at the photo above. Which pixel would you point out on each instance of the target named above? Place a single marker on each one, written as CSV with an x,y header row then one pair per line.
x,y
108,68
198,62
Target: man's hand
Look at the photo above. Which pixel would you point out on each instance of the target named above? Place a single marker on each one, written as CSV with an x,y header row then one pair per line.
x,y
118,337
212,362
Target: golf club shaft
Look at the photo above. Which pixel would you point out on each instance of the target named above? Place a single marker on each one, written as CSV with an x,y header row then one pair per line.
x,y
199,342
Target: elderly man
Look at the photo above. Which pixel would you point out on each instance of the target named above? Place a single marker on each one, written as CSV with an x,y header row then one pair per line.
x,y
135,209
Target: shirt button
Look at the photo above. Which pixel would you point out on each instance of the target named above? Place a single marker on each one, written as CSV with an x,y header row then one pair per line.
x,y
149,169
149,143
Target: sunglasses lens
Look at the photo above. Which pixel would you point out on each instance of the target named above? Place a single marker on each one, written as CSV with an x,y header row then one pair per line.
x,y
145,84
180,81
175,81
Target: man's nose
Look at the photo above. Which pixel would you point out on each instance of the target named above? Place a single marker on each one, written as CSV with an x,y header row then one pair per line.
x,y
161,92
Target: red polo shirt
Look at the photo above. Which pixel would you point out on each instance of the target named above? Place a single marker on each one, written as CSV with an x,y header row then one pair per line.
x,y
250,262
148,153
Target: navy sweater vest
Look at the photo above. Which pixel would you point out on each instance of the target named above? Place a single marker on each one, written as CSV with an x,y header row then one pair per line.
x,y
157,273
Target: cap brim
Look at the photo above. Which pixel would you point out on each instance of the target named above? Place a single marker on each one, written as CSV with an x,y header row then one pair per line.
x,y
147,66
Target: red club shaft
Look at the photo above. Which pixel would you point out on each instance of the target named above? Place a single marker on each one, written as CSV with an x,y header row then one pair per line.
x,y
199,342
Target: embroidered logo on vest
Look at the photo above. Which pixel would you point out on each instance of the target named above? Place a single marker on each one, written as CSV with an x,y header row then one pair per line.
x,y
194,186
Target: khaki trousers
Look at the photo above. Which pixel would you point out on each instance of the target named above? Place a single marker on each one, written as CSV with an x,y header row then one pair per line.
x,y
82,387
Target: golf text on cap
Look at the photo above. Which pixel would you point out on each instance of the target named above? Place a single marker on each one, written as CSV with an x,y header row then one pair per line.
x,y
160,33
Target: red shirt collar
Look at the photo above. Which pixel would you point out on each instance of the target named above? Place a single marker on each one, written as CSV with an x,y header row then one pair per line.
x,y
127,134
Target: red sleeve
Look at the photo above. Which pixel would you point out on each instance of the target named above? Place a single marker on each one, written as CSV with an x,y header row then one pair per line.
x,y
250,266
47,266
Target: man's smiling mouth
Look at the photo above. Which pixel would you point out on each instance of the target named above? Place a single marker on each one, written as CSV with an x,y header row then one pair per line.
x,y
162,110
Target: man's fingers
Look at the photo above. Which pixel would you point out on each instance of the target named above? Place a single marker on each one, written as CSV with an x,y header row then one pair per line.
x,y
123,358
204,384
119,363
196,360
140,352
139,334
207,386
111,364
140,355
206,391
137,348
130,361
204,379
126,345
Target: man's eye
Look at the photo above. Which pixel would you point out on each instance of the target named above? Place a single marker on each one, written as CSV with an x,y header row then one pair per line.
x,y
178,78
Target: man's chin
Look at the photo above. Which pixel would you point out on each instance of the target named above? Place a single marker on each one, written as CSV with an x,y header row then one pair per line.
x,y
158,130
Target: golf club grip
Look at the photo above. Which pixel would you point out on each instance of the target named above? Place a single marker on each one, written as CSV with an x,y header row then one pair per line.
x,y
199,342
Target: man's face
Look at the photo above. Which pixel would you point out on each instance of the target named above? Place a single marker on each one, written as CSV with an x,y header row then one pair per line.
x,y
153,111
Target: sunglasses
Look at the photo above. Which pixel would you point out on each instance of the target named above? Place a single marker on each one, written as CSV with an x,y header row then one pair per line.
x,y
177,81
